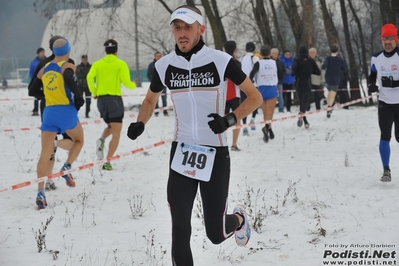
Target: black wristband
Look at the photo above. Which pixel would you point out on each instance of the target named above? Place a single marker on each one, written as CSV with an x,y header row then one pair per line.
x,y
231,119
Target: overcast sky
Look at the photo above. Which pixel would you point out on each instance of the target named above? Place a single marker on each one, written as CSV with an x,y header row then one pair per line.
x,y
21,29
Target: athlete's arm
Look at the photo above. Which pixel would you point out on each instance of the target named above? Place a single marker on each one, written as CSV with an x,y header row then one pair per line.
x,y
254,70
324,66
35,86
373,73
125,77
316,70
90,79
68,72
70,81
36,71
151,98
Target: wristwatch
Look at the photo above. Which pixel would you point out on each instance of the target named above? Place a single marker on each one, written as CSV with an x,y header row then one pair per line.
x,y
231,119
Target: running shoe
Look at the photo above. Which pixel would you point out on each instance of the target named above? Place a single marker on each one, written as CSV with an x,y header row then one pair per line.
x,y
307,125
329,112
41,201
68,177
253,126
300,121
265,134
50,185
271,133
235,148
245,132
100,149
243,233
386,177
107,166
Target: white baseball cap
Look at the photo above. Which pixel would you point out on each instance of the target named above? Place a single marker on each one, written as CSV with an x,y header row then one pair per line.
x,y
187,15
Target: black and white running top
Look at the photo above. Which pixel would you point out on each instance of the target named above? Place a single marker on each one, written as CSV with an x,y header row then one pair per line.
x,y
197,82
386,67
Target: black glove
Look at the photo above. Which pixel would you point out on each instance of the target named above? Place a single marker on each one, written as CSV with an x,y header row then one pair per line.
x,y
220,124
135,130
79,101
373,88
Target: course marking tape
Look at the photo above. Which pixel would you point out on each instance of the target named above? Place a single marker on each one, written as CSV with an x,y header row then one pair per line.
x,y
83,167
337,106
157,144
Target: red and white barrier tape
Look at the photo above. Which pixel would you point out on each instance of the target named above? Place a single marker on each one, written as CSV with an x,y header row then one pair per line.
x,y
325,89
83,167
83,123
337,106
16,99
157,144
32,98
143,94
99,121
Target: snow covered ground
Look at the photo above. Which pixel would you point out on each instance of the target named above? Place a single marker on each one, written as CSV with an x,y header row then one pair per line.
x,y
317,191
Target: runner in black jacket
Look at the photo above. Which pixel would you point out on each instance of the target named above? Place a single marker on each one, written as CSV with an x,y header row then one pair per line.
x,y
302,69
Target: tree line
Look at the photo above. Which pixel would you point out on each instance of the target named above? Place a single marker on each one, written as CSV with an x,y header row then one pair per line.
x,y
354,25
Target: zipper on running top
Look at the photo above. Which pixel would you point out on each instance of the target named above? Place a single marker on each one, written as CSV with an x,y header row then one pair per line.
x,y
194,127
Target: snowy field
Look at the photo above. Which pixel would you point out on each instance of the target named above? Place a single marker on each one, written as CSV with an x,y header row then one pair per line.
x,y
312,193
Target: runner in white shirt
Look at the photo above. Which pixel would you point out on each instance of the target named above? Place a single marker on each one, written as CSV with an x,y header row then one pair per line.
x,y
248,61
264,75
385,71
196,77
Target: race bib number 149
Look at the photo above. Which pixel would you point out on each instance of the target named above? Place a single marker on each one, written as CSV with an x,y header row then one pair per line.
x,y
194,161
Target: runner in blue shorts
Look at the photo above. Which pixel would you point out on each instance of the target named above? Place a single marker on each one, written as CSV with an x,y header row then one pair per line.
x,y
268,92
60,115
37,92
265,75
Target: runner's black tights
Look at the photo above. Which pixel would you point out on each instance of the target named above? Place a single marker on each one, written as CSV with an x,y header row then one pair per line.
x,y
181,192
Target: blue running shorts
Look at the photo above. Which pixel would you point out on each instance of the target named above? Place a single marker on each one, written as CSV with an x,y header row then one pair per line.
x,y
268,92
59,118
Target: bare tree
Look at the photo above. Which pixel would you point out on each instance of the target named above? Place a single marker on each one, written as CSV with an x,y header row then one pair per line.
x,y
353,74
155,36
389,10
81,9
331,30
262,21
212,13
307,37
301,24
362,40
285,23
241,27
291,9
280,39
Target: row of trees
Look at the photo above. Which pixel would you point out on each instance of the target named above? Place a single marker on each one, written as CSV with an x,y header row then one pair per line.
x,y
287,24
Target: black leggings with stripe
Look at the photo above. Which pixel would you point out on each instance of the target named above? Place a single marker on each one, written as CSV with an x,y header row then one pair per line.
x,y
181,192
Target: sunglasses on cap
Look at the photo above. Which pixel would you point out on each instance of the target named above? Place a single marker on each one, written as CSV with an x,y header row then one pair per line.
x,y
387,38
